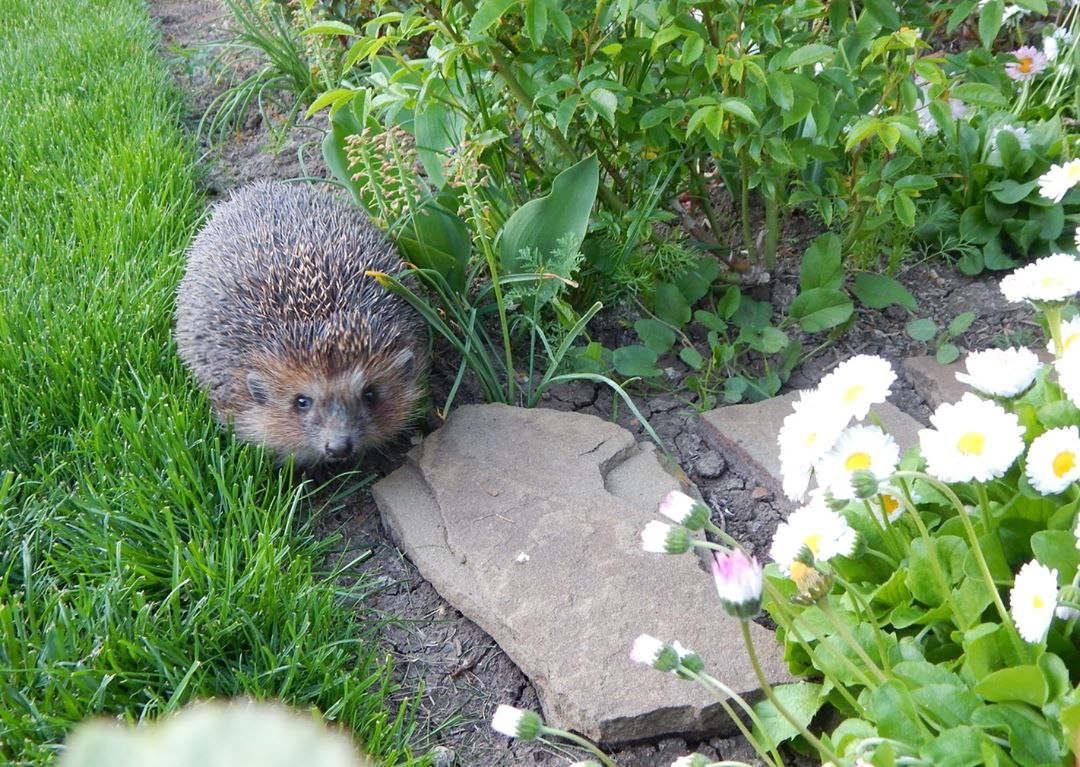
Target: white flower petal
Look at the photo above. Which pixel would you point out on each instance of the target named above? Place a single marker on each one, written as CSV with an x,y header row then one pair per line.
x,y
1033,599
1001,372
973,439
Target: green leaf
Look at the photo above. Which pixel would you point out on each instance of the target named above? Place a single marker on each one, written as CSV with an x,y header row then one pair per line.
x,y
691,357
947,354
435,238
980,94
671,305
1020,683
536,21
656,335
437,129
540,224
975,227
957,747
1057,550
634,361
960,323
781,90
990,17
329,28
488,13
923,329
878,291
801,700
808,54
1011,192
821,264
335,97
1031,741
894,712
820,309
884,12
904,209
697,278
604,102
767,340
740,109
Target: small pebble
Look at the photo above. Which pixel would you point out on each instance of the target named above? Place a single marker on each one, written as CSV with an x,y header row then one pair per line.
x,y
443,756
709,466
760,493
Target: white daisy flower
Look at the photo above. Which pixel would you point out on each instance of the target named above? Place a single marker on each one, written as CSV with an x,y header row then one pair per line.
x,y
652,652
1056,182
661,538
684,510
1033,599
1068,375
1049,279
806,436
1053,460
1000,372
973,439
1070,334
859,447
1023,137
856,384
888,501
517,723
1054,42
691,760
820,529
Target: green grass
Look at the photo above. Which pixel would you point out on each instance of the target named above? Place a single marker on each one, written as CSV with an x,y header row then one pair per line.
x,y
145,559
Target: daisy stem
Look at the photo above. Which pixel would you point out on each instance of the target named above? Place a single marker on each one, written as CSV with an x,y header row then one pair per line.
x,y
984,507
977,551
827,609
1053,322
935,565
905,550
870,617
722,693
886,535
771,695
606,760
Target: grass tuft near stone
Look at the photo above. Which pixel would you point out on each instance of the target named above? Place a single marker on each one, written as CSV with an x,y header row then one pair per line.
x,y
145,559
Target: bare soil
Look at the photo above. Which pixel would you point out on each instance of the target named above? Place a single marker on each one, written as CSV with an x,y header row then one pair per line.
x,y
462,672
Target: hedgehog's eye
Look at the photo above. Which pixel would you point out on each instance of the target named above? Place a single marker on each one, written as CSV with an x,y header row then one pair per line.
x,y
369,396
302,402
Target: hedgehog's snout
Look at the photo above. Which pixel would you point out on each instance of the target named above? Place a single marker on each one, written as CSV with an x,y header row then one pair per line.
x,y
340,447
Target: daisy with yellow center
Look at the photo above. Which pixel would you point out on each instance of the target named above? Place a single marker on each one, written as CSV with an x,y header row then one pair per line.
x,y
1030,61
1053,460
1033,599
806,436
1056,182
1051,279
816,527
1000,372
856,384
860,447
973,439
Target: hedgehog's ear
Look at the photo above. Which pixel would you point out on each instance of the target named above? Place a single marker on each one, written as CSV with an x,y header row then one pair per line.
x,y
260,391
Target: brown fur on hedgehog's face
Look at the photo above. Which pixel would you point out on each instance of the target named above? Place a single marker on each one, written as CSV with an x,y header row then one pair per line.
x,y
320,417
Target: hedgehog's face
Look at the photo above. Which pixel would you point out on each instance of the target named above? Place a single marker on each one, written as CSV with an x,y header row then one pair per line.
x,y
322,419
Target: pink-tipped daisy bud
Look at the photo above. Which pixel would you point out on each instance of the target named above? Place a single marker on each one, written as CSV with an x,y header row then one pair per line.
x,y
864,483
516,723
662,538
738,582
691,760
652,652
688,659
684,510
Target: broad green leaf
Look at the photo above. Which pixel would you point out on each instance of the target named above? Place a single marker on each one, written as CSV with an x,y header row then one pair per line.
x,y
335,97
820,309
922,329
1032,742
329,28
671,305
780,90
740,109
947,354
435,238
802,701
904,209
437,128
821,265
539,224
636,361
536,21
1057,550
1020,683
980,94
655,335
808,54
894,712
691,357
1009,191
696,280
488,13
957,747
960,323
878,291
990,17
604,102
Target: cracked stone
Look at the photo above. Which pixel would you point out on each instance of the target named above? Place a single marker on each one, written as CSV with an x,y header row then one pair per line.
x,y
573,493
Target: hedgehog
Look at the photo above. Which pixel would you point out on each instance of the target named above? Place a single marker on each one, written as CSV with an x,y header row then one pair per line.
x,y
296,347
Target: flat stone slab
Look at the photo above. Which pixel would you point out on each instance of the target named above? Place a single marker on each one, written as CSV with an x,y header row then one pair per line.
x,y
529,522
746,435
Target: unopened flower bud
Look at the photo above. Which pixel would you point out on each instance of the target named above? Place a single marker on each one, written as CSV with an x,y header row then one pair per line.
x,y
517,723
865,483
652,652
813,585
662,538
684,510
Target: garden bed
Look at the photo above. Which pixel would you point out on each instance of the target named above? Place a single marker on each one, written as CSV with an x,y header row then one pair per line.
x,y
464,675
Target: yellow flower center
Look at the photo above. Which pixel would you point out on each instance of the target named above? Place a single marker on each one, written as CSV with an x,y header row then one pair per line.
x,y
889,503
813,542
857,461
799,571
1050,281
1037,602
1069,340
810,438
1025,64
853,392
1064,463
971,443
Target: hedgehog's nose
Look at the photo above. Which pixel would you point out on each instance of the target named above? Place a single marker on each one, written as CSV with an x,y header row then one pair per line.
x,y
340,447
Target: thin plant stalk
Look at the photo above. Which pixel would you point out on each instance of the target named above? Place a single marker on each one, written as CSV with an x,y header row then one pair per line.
x,y
606,760
722,693
767,688
834,619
